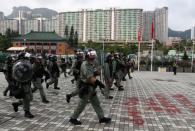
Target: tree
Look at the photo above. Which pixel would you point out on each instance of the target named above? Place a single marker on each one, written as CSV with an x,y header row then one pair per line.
x,y
66,33
5,40
76,39
158,45
71,38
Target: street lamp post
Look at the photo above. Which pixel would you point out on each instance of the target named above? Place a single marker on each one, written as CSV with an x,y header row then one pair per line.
x,y
192,64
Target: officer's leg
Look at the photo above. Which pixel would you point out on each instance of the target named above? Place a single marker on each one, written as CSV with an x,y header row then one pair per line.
x,y
56,83
118,81
124,74
96,106
7,88
16,104
73,93
50,82
65,72
106,90
80,107
26,101
38,85
35,86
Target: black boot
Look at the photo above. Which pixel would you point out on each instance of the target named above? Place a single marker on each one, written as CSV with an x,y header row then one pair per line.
x,y
4,93
74,121
110,97
130,77
105,120
123,79
57,88
72,81
28,114
34,89
68,96
120,88
15,106
45,101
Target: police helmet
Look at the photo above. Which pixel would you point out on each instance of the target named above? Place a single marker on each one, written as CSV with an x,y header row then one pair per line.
x,y
54,58
90,54
116,55
21,55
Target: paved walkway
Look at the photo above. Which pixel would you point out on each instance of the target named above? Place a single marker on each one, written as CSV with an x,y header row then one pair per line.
x,y
151,102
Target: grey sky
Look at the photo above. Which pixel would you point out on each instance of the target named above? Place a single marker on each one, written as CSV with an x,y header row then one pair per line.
x,y
181,12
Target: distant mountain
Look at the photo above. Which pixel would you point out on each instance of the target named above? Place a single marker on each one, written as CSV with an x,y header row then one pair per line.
x,y
183,34
31,13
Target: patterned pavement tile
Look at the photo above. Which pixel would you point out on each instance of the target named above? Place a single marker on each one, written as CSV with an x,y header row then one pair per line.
x,y
151,101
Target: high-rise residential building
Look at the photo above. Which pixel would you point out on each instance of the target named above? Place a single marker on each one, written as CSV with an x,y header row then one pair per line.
x,y
193,32
161,24
70,19
160,17
127,23
8,24
49,25
148,17
96,25
31,25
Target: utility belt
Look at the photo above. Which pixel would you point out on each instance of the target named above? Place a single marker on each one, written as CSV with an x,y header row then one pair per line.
x,y
86,89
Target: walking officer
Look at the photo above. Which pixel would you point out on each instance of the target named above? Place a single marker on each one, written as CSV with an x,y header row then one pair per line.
x,y
22,74
76,73
8,75
117,66
38,73
87,91
54,72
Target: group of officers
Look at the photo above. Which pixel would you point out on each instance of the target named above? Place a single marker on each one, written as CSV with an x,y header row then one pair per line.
x,y
26,74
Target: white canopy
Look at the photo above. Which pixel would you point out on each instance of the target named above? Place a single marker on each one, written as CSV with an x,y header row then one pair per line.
x,y
16,49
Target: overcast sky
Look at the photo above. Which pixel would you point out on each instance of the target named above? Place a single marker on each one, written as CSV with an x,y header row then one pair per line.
x,y
181,12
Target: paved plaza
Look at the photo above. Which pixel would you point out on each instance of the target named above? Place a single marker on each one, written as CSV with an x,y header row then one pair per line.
x,y
152,101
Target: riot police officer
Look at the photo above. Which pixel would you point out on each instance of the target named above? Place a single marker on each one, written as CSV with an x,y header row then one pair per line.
x,y
22,74
108,75
87,91
38,73
117,66
54,72
63,66
8,75
76,73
